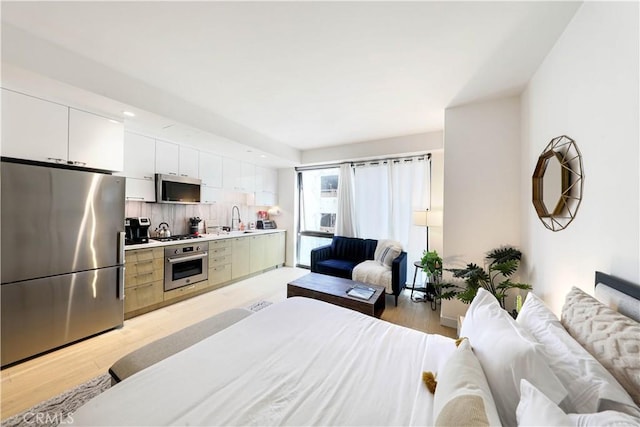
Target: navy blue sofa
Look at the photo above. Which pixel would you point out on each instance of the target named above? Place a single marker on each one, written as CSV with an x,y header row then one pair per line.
x,y
344,253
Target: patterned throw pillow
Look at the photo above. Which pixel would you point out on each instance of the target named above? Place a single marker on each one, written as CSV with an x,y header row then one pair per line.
x,y
387,251
613,339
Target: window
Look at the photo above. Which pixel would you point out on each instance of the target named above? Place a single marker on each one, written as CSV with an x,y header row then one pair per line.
x,y
318,206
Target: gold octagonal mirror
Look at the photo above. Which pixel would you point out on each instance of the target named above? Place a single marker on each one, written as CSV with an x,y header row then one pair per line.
x,y
557,183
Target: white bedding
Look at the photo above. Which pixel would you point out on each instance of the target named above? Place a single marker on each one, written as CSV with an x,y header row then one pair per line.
x,y
299,362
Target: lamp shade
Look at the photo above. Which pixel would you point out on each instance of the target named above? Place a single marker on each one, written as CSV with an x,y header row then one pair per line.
x,y
420,218
427,218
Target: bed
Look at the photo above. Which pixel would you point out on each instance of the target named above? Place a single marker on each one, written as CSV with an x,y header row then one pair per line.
x,y
305,362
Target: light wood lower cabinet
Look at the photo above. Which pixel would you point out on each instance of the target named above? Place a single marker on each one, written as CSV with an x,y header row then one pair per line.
x,y
185,290
258,258
240,257
142,296
144,275
220,263
229,260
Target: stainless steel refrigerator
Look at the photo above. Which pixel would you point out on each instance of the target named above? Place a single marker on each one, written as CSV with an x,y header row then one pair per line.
x,y
62,276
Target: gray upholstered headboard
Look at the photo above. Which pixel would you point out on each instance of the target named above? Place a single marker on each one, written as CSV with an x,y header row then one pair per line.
x,y
619,294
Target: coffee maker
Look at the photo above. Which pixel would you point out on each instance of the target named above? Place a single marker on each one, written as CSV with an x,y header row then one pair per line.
x,y
136,230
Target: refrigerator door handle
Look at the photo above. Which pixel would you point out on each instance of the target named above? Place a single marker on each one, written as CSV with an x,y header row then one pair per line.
x,y
121,239
121,283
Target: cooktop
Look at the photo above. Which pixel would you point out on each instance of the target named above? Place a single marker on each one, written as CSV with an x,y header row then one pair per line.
x,y
177,237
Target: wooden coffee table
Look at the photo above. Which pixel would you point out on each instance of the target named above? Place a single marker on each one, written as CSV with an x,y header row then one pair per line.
x,y
334,290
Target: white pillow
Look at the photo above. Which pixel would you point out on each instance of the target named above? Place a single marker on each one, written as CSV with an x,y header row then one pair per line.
x,y
612,338
507,353
591,387
387,251
535,409
604,419
461,377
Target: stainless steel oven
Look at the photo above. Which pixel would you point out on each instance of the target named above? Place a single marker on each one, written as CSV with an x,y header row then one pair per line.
x,y
185,265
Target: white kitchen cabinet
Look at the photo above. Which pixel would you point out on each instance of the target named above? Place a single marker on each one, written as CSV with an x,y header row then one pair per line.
x,y
188,162
238,175
266,186
266,179
139,156
34,129
167,158
247,177
231,174
210,170
264,198
209,195
141,190
95,141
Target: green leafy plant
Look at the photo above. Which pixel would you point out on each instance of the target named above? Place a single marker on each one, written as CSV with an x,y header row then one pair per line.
x,y
503,262
431,262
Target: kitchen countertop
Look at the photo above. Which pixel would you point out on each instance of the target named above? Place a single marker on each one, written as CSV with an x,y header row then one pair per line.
x,y
205,238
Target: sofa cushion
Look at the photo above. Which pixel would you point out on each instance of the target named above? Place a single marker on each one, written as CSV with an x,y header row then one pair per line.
x,y
370,246
336,267
348,248
387,251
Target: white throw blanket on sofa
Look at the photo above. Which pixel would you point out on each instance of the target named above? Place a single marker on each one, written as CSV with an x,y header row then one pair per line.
x,y
373,273
378,270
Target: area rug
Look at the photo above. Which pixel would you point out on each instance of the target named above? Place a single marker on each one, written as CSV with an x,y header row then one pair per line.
x,y
59,410
259,305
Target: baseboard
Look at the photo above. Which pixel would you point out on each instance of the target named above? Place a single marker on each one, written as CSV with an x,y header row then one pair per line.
x,y
449,322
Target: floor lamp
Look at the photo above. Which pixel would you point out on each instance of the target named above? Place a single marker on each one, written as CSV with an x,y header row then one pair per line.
x,y
426,219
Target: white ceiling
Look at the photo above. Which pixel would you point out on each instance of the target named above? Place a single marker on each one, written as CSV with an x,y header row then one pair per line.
x,y
310,74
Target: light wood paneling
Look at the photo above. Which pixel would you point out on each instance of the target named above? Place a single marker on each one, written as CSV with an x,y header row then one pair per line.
x,y
35,380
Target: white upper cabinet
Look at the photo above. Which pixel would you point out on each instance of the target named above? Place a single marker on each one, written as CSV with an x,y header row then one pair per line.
x,y
140,189
139,156
266,179
95,141
247,177
231,174
266,186
210,170
34,129
188,162
167,158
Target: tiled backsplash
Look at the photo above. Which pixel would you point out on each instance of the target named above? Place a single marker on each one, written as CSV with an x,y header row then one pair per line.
x,y
177,215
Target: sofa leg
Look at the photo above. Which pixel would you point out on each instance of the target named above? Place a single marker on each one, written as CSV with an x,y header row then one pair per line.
x,y
396,300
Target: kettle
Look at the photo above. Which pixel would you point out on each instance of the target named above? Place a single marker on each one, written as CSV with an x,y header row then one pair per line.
x,y
163,231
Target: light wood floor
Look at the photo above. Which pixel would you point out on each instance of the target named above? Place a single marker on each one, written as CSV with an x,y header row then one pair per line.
x,y
33,381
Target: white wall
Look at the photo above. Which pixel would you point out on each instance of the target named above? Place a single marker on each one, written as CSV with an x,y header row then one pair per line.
x,y
481,185
587,88
288,202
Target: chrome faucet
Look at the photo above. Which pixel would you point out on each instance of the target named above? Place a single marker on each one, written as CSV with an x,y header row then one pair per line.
x,y
235,209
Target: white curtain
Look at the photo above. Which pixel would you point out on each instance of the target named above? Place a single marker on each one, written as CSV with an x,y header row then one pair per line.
x,y
345,216
386,194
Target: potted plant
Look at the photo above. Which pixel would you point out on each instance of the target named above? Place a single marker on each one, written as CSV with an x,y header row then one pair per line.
x,y
431,263
503,262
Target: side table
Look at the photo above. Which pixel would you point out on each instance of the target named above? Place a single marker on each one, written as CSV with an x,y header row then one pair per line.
x,y
418,265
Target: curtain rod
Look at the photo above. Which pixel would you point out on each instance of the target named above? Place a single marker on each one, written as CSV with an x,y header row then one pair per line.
x,y
360,162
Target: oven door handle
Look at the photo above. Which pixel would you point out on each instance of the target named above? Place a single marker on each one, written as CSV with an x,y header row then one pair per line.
x,y
187,258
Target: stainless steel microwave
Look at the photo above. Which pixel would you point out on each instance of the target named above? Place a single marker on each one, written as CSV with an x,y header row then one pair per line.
x,y
177,189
